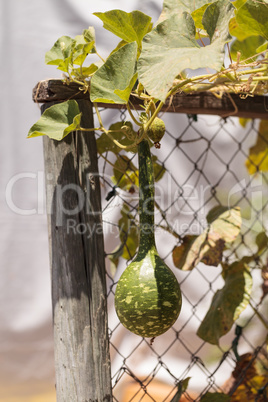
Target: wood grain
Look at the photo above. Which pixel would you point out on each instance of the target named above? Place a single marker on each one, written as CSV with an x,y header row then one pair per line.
x,y
82,359
195,103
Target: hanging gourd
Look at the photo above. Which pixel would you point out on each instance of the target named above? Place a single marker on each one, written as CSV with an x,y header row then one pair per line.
x,y
148,296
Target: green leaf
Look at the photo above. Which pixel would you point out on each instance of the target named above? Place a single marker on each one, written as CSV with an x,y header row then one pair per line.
x,y
120,44
61,53
171,48
171,7
114,259
115,74
261,242
105,144
263,47
258,153
227,303
224,227
128,26
82,49
215,397
248,48
84,45
243,121
252,17
126,175
85,71
89,35
57,121
216,21
125,93
236,31
198,16
182,387
225,223
128,233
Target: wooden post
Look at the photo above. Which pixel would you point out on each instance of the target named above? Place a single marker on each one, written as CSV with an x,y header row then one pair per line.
x,y
77,266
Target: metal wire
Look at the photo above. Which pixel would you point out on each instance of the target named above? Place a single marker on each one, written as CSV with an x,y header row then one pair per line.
x,y
204,163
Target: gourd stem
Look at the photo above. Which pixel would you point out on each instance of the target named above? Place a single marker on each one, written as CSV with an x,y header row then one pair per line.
x,y
146,196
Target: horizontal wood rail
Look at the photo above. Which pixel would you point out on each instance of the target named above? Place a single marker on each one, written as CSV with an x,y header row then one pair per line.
x,y
196,103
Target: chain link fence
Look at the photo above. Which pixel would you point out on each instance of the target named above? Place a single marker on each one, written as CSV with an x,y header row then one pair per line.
x,y
201,165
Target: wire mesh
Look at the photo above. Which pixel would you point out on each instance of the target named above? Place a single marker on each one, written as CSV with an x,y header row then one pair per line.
x,y
203,159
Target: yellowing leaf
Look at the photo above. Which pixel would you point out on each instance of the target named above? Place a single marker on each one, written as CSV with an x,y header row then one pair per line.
x,y
243,121
252,17
224,227
227,303
258,154
128,26
225,223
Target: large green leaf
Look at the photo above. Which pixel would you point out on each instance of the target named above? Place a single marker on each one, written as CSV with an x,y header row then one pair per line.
x,y
224,227
171,7
171,48
124,94
227,303
115,74
258,153
61,53
252,17
128,26
57,121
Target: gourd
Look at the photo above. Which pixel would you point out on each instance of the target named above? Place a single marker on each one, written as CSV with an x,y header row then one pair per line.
x,y
148,296
156,130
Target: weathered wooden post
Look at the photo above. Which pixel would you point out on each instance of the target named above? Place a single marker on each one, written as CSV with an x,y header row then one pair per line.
x,y
82,359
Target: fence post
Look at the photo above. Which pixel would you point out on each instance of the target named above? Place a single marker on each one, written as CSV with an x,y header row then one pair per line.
x,y
76,245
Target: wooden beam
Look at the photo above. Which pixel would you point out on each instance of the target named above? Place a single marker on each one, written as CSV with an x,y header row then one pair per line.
x,y
196,103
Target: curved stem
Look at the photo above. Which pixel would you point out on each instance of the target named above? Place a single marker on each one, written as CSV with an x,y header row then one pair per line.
x,y
133,117
146,196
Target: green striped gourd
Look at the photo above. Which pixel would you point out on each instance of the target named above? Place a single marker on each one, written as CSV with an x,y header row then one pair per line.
x,y
148,296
